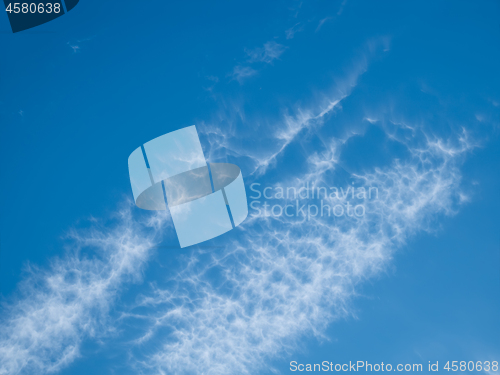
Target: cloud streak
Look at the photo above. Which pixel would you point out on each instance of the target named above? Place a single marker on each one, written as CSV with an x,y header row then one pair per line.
x,y
290,33
267,54
241,73
279,279
294,121
60,307
284,278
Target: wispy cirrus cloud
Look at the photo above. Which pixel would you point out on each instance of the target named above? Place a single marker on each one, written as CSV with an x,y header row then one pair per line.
x,y
267,54
298,119
341,8
286,278
71,301
58,308
290,33
327,19
241,73
283,278
75,45
322,22
277,281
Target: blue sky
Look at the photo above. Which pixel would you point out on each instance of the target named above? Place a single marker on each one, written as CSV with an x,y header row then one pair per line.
x,y
401,95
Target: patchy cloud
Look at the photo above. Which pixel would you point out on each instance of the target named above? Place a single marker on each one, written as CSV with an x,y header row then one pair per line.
x,y
283,278
76,45
290,33
60,307
241,73
322,22
341,8
278,278
267,54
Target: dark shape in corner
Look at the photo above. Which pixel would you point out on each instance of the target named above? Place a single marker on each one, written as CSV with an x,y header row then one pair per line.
x,y
37,12
70,4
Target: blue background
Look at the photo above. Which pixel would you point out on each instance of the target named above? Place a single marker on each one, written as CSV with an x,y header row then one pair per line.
x,y
79,94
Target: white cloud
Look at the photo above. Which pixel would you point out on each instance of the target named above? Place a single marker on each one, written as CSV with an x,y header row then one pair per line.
x,y
371,120
285,278
290,33
327,19
60,307
341,8
322,22
75,48
240,73
75,45
267,54
284,132
280,280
